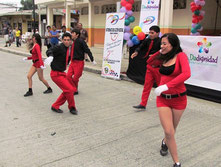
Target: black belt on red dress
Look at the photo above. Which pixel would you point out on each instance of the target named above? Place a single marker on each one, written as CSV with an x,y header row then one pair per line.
x,y
170,96
34,61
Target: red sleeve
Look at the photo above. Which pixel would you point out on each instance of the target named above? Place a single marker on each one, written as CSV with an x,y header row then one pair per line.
x,y
29,58
153,61
37,47
185,71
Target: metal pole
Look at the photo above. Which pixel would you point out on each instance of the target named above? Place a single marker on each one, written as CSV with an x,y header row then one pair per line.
x,y
217,10
33,2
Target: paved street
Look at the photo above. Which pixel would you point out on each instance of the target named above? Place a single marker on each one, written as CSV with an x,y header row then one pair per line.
x,y
108,132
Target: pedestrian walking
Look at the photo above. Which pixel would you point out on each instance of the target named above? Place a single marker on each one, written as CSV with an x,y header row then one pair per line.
x,y
78,49
58,57
148,47
18,36
171,92
37,66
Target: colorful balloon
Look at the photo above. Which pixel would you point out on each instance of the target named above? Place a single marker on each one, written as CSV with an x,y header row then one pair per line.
x,y
129,12
123,10
132,19
127,36
141,35
130,43
126,29
123,2
127,22
193,30
135,40
128,6
137,29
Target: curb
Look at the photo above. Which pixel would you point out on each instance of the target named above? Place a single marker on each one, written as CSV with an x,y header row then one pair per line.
x,y
86,68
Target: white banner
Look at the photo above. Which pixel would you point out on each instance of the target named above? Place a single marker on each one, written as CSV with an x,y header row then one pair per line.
x,y
149,14
113,45
205,60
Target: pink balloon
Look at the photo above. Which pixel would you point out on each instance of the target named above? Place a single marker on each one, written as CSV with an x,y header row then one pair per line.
x,y
202,3
202,13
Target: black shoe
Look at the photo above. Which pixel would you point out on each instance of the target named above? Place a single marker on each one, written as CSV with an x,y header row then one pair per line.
x,y
176,165
73,111
28,93
6,45
76,93
139,107
86,60
9,44
164,149
56,110
48,91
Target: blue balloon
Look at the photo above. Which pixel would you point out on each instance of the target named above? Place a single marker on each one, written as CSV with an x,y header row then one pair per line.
x,y
135,40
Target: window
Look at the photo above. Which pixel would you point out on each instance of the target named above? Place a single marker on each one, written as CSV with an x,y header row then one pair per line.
x,y
96,10
179,4
136,6
84,11
111,8
29,26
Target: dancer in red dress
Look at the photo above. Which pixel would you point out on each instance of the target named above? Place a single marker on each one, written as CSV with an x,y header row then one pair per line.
x,y
37,66
171,93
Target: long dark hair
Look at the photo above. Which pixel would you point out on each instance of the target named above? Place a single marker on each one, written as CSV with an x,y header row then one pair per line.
x,y
175,43
38,39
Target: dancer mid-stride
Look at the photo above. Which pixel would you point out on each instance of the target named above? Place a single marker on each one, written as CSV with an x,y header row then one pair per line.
x,y
58,58
171,92
38,65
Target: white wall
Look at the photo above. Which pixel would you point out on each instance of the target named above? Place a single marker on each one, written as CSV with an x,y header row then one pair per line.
x,y
182,18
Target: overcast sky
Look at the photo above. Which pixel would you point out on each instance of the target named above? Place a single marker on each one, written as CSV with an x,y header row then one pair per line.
x,y
11,1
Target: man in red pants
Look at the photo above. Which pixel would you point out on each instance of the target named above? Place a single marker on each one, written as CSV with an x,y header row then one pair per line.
x,y
152,75
78,49
58,57
149,46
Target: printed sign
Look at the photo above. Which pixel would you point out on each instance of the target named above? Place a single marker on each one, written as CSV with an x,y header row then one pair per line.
x,y
113,44
149,14
205,60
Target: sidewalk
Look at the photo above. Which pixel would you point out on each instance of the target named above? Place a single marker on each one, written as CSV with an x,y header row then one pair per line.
x,y
97,52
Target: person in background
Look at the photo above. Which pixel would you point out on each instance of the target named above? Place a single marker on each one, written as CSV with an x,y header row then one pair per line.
x,y
6,35
37,66
149,46
54,36
63,31
84,36
47,37
171,92
58,58
18,36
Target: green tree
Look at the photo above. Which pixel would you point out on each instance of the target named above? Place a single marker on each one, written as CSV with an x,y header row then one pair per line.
x,y
27,5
